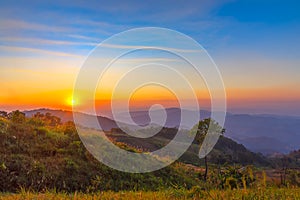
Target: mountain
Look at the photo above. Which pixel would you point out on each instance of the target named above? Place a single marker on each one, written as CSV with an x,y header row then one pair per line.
x,y
225,151
173,117
106,123
266,134
291,160
264,144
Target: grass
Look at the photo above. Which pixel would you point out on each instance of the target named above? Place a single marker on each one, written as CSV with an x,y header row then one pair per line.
x,y
196,193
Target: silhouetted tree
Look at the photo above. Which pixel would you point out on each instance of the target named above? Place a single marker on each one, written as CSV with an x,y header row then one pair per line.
x,y
205,126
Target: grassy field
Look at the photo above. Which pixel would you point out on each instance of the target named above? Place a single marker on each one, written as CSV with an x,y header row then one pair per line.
x,y
197,193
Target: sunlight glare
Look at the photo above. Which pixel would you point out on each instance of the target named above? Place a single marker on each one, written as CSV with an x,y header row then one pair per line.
x,y
71,101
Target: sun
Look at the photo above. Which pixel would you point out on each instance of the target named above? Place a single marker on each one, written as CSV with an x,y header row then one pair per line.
x,y
71,101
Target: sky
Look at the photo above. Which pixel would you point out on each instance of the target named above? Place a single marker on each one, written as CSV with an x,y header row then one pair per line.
x,y
255,45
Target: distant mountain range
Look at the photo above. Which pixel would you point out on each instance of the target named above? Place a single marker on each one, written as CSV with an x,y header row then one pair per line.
x,y
267,134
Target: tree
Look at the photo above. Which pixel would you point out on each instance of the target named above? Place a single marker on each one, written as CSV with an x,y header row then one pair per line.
x,y
17,117
3,114
46,119
205,126
69,129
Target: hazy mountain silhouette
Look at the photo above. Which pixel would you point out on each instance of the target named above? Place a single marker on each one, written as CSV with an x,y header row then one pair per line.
x,y
267,134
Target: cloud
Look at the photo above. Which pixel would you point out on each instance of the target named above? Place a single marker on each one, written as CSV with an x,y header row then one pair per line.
x,y
77,28
104,25
116,46
14,49
45,41
147,60
10,25
98,26
83,37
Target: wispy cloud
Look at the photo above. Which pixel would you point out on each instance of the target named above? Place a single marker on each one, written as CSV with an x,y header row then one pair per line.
x,y
14,49
45,41
10,24
158,60
83,37
115,46
98,26
77,29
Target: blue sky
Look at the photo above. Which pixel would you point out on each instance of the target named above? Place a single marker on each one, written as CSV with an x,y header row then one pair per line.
x,y
266,27
254,43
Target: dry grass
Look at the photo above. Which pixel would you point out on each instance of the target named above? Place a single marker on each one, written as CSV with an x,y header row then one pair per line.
x,y
270,193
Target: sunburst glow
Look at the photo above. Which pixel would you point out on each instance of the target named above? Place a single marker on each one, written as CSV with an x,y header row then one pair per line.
x,y
71,101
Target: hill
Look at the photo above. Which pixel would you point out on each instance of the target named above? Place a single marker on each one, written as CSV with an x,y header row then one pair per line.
x,y
267,134
226,148
42,153
106,123
226,151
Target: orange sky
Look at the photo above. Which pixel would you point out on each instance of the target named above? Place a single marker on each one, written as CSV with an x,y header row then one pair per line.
x,y
26,85
237,99
48,80
43,47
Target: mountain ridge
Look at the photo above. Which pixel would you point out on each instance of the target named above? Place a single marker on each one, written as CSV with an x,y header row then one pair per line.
x,y
259,133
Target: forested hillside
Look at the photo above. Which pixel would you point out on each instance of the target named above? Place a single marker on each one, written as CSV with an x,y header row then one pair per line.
x,y
41,152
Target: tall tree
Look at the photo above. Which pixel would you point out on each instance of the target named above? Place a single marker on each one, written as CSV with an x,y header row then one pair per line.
x,y
203,127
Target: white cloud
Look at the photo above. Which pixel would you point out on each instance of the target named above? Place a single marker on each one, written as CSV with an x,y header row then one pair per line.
x,y
45,41
10,25
83,37
14,49
116,46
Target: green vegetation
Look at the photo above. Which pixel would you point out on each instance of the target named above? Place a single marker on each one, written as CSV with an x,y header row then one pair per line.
x,y
41,154
203,129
